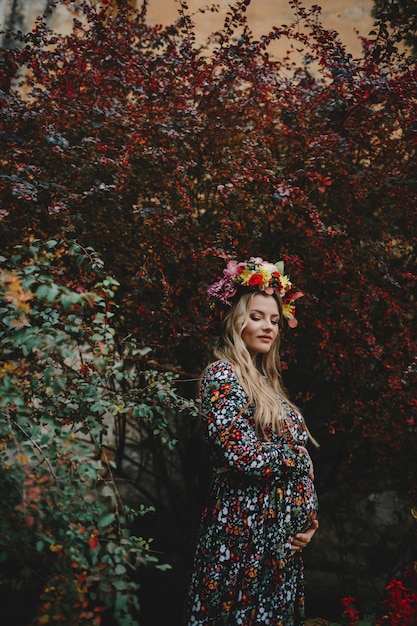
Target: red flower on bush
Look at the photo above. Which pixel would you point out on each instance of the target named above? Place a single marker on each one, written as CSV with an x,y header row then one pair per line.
x,y
349,611
400,605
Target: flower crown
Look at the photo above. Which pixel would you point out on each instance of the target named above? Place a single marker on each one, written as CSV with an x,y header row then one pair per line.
x,y
256,275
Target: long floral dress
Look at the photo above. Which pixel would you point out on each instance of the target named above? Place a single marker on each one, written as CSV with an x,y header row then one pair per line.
x,y
244,570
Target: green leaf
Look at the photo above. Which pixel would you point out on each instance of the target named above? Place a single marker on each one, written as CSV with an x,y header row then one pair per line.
x,y
50,292
164,567
119,585
106,520
70,299
58,385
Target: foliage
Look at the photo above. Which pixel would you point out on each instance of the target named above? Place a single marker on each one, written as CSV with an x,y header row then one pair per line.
x,y
398,608
400,604
402,16
351,615
66,548
170,157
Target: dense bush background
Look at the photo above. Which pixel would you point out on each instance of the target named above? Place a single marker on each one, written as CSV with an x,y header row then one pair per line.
x,y
167,159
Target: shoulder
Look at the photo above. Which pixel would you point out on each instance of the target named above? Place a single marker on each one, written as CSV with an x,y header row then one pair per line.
x,y
219,384
220,377
218,370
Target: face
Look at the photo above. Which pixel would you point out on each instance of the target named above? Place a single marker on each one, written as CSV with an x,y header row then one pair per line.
x,y
262,328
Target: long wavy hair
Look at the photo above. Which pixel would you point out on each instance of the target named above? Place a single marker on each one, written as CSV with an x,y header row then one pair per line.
x,y
261,377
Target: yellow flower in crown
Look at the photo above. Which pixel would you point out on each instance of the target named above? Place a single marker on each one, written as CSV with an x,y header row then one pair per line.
x,y
256,275
288,310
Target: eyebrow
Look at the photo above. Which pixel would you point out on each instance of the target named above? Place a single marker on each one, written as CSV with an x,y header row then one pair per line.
x,y
263,312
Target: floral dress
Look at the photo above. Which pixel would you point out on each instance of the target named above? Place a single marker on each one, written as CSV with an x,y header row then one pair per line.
x,y
244,570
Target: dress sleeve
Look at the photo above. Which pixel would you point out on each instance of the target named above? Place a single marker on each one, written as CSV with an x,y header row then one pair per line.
x,y
234,436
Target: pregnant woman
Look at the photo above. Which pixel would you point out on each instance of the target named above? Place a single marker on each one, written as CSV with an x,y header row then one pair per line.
x,y
262,505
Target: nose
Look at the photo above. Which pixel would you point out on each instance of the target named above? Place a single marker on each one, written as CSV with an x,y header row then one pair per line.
x,y
268,325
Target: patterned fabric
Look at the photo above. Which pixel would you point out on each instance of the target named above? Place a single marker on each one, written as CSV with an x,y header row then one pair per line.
x,y
261,495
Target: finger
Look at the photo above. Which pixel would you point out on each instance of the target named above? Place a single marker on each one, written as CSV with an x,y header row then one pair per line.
x,y
298,542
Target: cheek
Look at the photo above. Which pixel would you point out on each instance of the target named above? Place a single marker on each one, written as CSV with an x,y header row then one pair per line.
x,y
248,333
275,334
249,328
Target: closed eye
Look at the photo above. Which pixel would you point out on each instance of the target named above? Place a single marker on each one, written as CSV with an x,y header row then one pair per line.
x,y
256,318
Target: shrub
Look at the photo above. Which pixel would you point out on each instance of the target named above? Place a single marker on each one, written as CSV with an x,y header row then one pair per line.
x,y
67,553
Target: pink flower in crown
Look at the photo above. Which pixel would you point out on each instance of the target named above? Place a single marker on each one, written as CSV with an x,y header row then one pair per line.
x,y
222,291
233,269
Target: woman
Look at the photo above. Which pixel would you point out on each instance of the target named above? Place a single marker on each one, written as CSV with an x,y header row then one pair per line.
x,y
262,505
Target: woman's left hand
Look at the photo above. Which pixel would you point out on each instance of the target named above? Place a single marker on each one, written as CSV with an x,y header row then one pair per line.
x,y
301,540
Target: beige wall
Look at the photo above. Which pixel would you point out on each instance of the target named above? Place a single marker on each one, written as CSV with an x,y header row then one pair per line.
x,y
343,16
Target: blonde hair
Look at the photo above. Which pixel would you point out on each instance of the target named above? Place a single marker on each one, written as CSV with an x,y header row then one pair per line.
x,y
260,378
